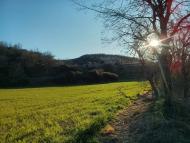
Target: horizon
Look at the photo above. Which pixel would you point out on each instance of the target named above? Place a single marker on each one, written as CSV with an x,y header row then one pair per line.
x,y
57,27
19,46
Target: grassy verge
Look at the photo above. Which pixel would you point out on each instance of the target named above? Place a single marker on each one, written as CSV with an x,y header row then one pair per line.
x,y
61,114
163,125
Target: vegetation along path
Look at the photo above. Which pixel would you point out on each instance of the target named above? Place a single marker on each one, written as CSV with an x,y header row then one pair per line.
x,y
122,128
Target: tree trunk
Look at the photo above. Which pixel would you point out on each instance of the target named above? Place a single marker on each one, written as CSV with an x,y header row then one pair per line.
x,y
185,80
154,88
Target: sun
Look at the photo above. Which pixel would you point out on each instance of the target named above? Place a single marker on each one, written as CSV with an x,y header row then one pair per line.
x,y
154,43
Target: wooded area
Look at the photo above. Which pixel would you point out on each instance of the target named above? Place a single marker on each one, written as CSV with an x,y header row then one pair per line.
x,y
19,67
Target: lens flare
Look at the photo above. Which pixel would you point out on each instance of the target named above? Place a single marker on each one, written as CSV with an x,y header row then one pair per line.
x,y
154,43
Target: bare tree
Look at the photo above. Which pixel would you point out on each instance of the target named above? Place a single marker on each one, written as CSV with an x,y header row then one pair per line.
x,y
180,62
132,21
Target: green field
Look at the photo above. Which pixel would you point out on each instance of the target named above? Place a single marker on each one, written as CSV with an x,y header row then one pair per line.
x,y
61,114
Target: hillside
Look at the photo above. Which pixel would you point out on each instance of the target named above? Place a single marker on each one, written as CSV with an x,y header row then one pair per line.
x,y
127,68
98,59
20,67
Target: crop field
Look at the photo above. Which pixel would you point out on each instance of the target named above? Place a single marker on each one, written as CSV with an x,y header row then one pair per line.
x,y
62,114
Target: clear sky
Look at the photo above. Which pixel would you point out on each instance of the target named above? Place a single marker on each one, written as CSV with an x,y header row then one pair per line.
x,y
55,26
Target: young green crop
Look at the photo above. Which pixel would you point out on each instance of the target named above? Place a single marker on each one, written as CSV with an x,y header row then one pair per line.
x,y
61,114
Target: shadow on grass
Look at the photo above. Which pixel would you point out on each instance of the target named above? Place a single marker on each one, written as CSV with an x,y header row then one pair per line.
x,y
66,85
87,135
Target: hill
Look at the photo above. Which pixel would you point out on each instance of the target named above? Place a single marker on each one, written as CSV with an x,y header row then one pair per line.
x,y
98,59
127,68
20,67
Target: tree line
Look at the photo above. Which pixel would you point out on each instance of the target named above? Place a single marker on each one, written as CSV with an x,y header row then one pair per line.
x,y
20,67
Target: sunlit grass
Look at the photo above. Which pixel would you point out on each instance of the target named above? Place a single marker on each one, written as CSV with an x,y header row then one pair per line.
x,y
61,114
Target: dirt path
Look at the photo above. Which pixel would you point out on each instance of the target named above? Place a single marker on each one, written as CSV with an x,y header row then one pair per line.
x,y
118,130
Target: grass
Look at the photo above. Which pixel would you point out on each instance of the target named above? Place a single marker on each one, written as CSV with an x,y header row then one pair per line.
x,y
163,125
61,114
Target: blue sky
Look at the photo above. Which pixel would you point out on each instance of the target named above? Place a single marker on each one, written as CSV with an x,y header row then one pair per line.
x,y
55,26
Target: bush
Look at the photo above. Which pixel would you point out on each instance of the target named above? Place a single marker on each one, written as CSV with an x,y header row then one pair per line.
x,y
98,75
108,76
